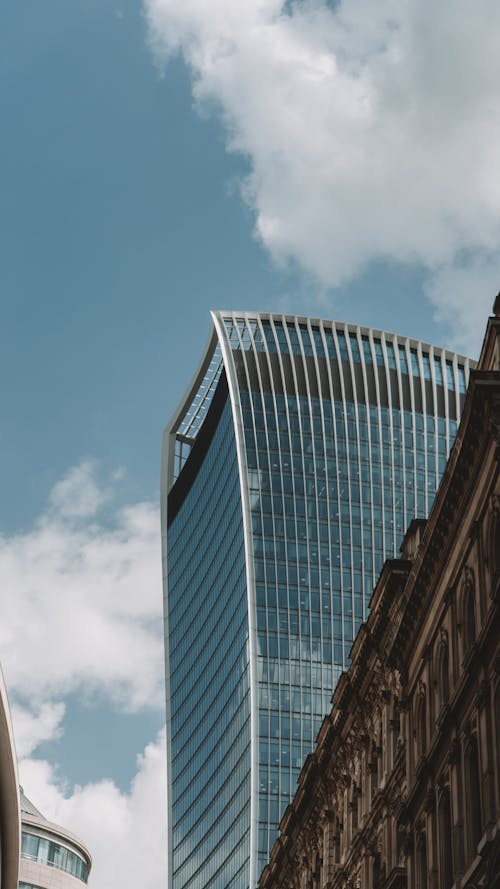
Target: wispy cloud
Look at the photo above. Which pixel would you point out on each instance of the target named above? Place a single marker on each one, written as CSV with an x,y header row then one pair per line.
x,y
371,130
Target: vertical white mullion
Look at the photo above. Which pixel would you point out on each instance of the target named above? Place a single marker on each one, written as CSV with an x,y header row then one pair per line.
x,y
384,339
379,435
414,431
250,577
257,449
457,387
273,519
325,479
313,442
381,371
341,526
420,360
285,401
446,402
432,360
308,542
364,371
284,319
356,422
329,502
397,345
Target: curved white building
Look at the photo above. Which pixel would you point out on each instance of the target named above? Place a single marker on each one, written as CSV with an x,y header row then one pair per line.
x,y
10,832
51,856
291,469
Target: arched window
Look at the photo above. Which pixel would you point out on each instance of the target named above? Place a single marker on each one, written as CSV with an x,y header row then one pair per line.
x,y
421,862
373,770
472,796
336,844
395,726
443,669
469,611
421,721
445,841
378,873
379,750
494,545
354,807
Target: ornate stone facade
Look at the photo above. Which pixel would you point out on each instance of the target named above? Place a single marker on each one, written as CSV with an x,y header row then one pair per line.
x,y
403,789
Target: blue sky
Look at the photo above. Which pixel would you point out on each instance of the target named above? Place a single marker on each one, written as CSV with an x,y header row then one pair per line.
x,y
158,160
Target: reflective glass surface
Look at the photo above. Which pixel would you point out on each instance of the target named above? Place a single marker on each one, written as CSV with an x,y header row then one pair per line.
x,y
342,434
333,484
332,494
45,851
208,623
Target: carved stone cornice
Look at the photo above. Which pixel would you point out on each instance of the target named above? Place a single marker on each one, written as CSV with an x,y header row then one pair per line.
x,y
447,513
494,418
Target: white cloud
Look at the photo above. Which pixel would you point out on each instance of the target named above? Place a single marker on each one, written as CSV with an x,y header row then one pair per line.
x,y
83,596
462,293
82,591
371,129
125,832
36,724
77,494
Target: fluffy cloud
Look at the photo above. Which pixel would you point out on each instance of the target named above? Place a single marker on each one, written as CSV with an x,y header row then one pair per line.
x,y
125,832
82,593
78,495
371,130
82,589
462,294
36,723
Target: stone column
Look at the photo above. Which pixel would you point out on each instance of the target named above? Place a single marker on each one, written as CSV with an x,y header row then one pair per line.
x,y
486,754
457,800
431,838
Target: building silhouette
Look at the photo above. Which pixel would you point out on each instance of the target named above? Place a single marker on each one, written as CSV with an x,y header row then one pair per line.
x,y
51,856
403,788
300,453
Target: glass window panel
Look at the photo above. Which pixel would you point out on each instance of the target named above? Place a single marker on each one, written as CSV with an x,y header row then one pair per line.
x,y
355,348
391,358
378,353
438,370
344,355
450,379
402,359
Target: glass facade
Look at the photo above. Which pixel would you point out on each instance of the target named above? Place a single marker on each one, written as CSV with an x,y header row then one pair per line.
x,y
209,687
318,444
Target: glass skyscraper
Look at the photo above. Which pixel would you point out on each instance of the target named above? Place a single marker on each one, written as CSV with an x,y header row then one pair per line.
x,y
301,452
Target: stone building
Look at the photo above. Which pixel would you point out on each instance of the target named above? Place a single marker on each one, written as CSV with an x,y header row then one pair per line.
x,y
403,789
